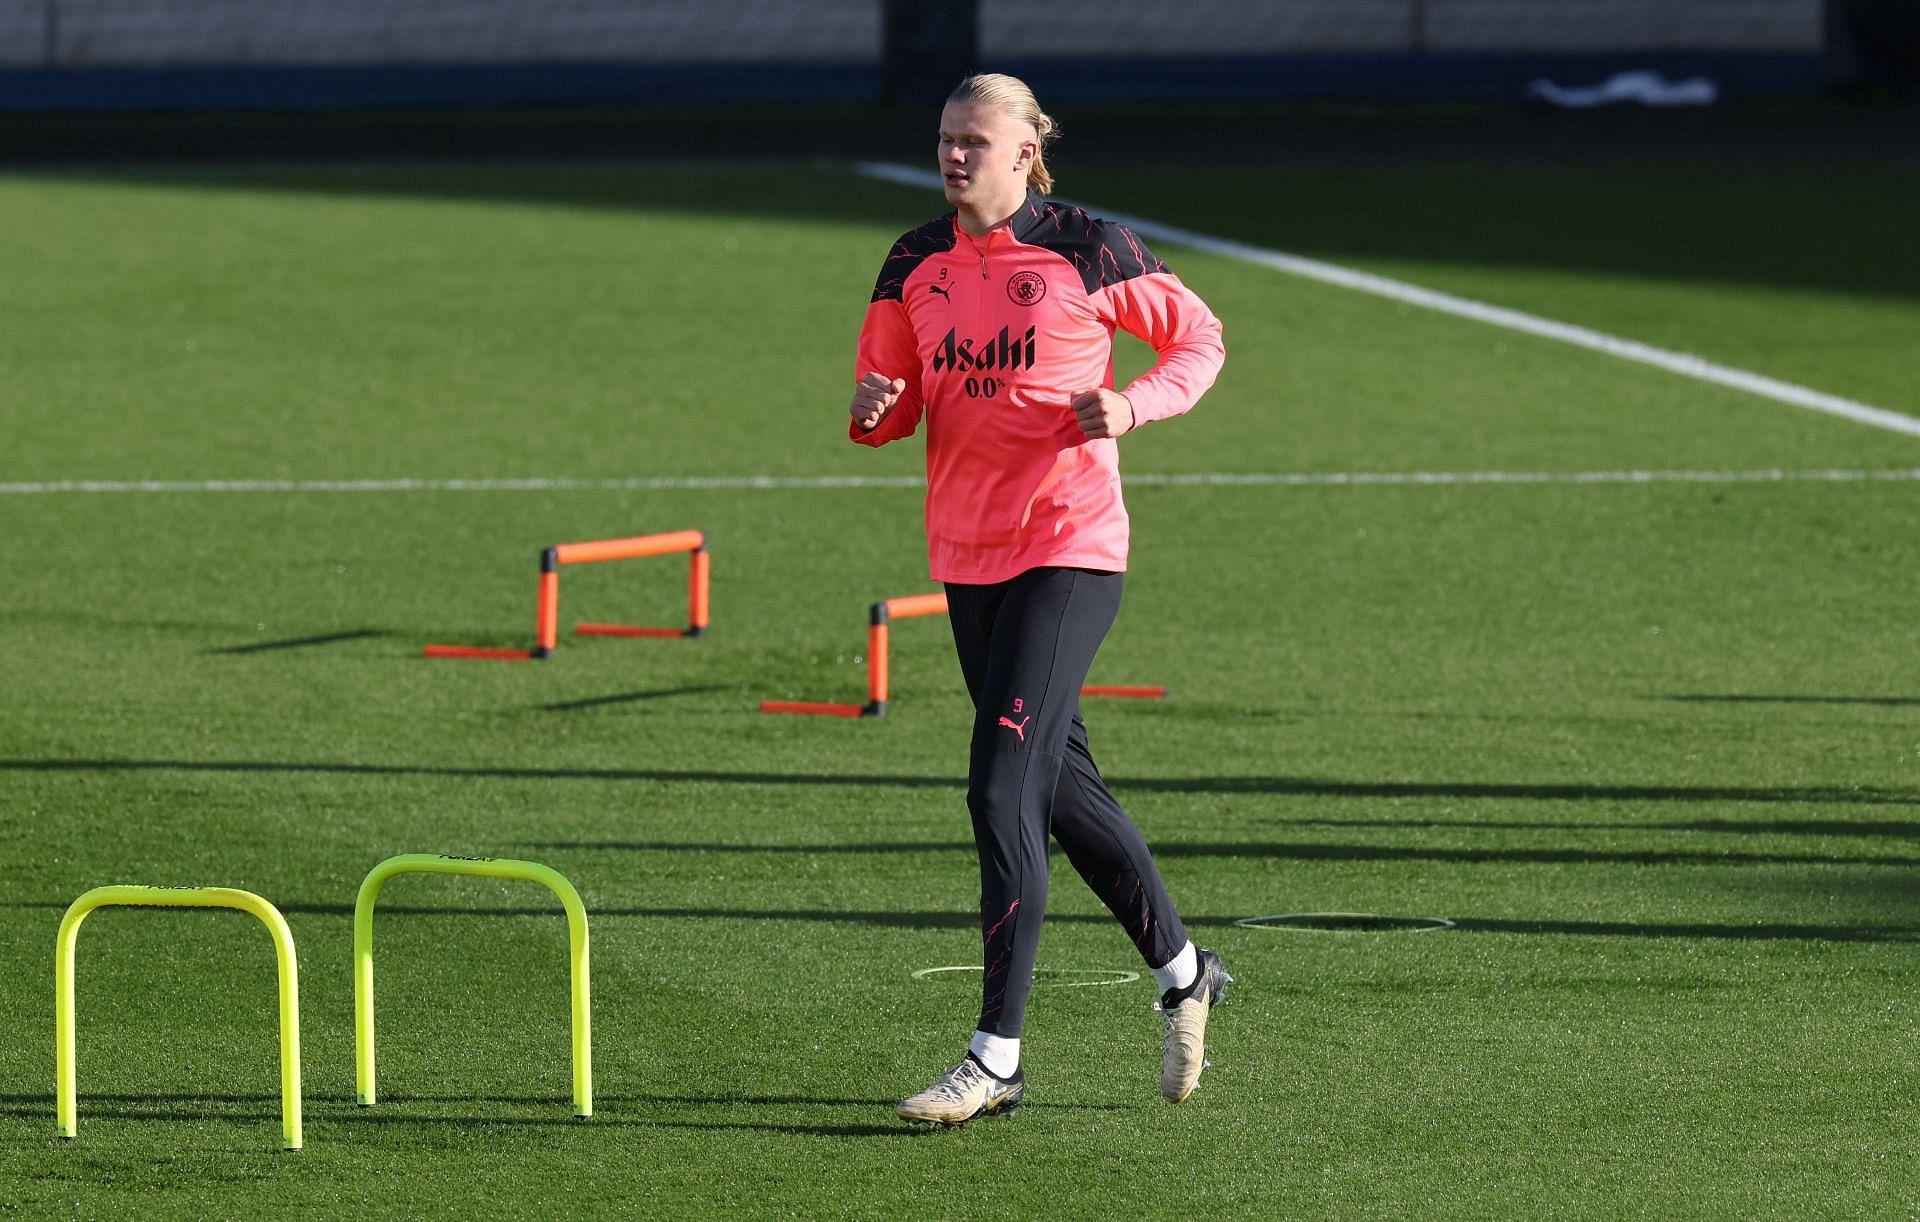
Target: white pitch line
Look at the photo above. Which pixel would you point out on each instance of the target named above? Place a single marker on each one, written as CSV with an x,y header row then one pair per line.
x,y
1334,479
538,484
1280,479
1683,363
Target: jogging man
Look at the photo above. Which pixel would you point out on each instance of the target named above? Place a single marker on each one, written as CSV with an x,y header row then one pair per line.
x,y
994,325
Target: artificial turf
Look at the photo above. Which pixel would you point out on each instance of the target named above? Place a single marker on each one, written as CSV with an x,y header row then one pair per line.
x,y
1650,746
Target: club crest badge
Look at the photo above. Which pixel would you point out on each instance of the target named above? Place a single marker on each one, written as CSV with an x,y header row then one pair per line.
x,y
1026,288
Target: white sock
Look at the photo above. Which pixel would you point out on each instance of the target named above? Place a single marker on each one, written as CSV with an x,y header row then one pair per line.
x,y
999,1054
1180,971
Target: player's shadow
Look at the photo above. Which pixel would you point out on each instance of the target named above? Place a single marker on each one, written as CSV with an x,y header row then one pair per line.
x,y
318,1114
602,1120
610,1111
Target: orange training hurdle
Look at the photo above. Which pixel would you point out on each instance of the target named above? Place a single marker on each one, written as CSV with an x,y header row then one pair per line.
x,y
878,618
547,611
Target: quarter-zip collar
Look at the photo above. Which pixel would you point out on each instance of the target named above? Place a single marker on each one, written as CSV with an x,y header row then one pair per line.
x,y
1029,217
1019,227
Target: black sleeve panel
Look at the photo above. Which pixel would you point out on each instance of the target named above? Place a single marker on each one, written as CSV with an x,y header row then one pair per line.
x,y
908,253
1102,252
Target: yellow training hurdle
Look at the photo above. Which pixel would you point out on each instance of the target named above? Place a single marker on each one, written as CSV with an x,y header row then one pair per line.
x,y
482,867
177,897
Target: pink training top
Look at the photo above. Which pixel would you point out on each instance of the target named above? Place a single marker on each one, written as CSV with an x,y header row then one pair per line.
x,y
994,337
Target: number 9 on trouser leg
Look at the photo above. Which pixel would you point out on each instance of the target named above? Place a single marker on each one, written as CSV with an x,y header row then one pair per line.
x,y
1025,647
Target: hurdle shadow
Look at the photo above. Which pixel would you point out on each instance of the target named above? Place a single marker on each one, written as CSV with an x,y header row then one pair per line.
x,y
568,706
301,642
264,1109
1881,701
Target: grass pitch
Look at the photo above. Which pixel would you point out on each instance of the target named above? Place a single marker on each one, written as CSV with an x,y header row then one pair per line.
x,y
1650,746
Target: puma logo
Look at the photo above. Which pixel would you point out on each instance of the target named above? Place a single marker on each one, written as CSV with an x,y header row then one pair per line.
x,y
1018,727
946,292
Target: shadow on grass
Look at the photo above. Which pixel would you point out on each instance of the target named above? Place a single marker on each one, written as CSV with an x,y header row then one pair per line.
x,y
567,706
392,1098
1481,187
1738,933
318,1113
1290,851
1903,830
1886,701
927,919
1633,857
897,1129
1318,787
303,642
961,920
312,1119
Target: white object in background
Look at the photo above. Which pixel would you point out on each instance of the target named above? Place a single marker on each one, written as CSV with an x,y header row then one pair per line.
x,y
1646,88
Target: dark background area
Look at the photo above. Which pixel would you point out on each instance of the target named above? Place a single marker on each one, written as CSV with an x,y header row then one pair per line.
x,y
1756,130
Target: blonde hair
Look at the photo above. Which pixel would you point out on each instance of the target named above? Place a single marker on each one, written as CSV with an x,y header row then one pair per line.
x,y
1011,94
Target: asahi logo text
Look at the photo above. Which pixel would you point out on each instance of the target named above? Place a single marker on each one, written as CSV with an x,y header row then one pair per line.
x,y
1000,351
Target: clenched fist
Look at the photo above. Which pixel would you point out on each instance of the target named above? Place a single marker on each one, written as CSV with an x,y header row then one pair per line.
x,y
873,397
1102,413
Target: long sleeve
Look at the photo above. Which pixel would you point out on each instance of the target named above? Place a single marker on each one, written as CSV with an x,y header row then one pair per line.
x,y
887,347
1172,319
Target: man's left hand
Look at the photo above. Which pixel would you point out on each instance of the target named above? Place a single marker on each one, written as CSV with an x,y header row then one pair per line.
x,y
1102,413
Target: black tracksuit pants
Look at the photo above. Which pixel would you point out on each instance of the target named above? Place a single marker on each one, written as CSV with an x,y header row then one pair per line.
x,y
1025,648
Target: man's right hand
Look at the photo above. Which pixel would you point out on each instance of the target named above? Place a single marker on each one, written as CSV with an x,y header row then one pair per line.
x,y
873,397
